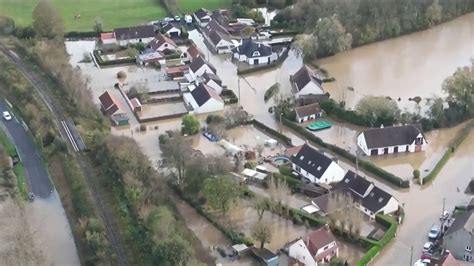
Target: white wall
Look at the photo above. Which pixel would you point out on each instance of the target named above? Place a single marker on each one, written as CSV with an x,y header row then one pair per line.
x,y
392,206
132,41
334,173
224,47
211,83
212,105
174,31
300,252
201,71
310,88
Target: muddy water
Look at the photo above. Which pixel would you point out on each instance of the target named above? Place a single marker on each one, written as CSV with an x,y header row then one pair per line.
x,y
409,66
52,231
424,205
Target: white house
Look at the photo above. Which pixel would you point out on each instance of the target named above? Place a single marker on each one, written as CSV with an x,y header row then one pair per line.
x,y
203,99
315,166
300,252
254,53
396,139
108,38
171,30
131,35
369,198
192,53
213,81
308,112
218,37
306,82
202,17
199,66
161,43
322,245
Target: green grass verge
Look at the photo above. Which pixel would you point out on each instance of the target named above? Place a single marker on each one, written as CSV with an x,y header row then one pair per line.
x,y
189,6
7,144
20,173
462,135
113,14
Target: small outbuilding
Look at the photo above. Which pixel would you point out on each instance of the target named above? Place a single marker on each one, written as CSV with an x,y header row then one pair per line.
x,y
265,256
308,112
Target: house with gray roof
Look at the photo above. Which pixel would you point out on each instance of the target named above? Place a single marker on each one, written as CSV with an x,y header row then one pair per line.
x,y
254,53
130,35
306,82
202,17
218,38
368,197
394,139
308,112
203,99
459,238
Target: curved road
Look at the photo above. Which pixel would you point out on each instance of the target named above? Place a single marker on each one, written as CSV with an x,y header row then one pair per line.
x,y
37,177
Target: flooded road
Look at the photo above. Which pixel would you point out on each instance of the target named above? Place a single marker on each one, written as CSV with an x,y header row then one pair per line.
x,y
408,66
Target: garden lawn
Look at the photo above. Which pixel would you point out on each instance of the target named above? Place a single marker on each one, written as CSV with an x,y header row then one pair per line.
x,y
112,13
189,6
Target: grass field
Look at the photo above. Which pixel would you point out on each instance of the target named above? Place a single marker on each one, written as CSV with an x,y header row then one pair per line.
x,y
189,6
113,13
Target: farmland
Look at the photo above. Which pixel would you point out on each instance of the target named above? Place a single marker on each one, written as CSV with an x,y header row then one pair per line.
x,y
117,13
189,6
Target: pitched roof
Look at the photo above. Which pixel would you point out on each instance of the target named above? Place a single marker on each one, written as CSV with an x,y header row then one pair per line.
x,y
159,40
211,76
248,47
137,32
215,26
193,51
311,160
202,93
358,186
464,221
319,238
200,13
307,110
263,253
106,100
304,76
107,35
391,136
168,27
198,63
221,17
293,150
217,36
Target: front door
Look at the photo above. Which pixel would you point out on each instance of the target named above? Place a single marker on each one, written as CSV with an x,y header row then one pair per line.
x,y
374,152
255,61
395,149
385,151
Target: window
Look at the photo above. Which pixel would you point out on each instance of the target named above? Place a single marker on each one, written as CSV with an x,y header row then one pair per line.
x,y
326,247
468,248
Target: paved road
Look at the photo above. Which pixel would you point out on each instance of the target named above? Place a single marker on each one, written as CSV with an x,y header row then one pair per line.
x,y
37,176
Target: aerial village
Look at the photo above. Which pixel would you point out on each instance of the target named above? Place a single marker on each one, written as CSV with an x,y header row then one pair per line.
x,y
315,179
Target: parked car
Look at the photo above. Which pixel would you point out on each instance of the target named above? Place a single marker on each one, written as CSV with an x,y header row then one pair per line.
x,y
7,116
177,18
168,19
444,216
428,246
188,19
434,232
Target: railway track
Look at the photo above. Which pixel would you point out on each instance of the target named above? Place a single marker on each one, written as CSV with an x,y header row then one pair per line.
x,y
69,133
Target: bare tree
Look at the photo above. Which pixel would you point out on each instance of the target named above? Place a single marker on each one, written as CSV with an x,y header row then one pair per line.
x,y
176,154
261,205
261,232
259,149
343,213
279,192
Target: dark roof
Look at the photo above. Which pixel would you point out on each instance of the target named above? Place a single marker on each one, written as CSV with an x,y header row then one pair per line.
x,y
208,76
311,160
159,40
304,76
198,63
106,100
215,26
193,51
248,47
168,27
462,221
219,16
309,109
319,238
391,136
137,32
202,93
200,13
357,186
263,253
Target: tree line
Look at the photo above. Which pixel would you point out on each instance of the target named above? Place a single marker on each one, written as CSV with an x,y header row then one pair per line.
x,y
335,26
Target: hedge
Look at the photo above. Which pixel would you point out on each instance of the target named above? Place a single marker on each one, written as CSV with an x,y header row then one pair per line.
x,y
368,256
447,154
78,34
273,132
398,181
391,231
332,108
112,62
292,182
229,96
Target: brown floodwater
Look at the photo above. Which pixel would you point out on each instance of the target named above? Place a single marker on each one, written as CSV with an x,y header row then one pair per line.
x,y
408,66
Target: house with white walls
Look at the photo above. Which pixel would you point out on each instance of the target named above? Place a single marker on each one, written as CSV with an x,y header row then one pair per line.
x,y
203,99
394,139
199,66
299,251
213,81
306,82
162,44
316,167
202,17
254,53
131,35
308,112
171,30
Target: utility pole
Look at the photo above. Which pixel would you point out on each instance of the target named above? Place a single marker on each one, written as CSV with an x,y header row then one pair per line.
x,y
442,215
411,255
238,86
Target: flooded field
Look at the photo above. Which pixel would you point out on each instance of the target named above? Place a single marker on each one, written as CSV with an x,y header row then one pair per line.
x,y
408,66
283,231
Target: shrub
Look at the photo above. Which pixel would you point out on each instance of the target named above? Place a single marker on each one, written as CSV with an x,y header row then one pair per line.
x,y
416,173
297,218
285,170
190,124
250,165
369,255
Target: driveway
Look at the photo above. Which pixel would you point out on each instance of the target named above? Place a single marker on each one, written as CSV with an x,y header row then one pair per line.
x,y
37,176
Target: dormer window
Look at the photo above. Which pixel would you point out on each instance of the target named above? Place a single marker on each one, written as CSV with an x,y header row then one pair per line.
x,y
256,53
302,157
380,200
319,168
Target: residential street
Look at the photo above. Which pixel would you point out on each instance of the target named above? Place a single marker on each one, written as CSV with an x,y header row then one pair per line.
x,y
37,176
